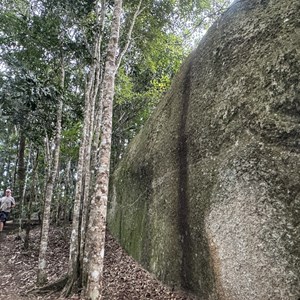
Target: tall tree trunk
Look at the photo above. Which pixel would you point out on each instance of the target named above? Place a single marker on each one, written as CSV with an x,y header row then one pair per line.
x,y
41,274
31,198
21,177
69,187
98,111
97,220
23,188
83,172
73,265
21,166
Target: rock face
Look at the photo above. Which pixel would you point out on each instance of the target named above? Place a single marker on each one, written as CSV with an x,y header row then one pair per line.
x,y
208,195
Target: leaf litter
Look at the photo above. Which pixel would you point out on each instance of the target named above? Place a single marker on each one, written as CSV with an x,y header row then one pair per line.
x,y
124,278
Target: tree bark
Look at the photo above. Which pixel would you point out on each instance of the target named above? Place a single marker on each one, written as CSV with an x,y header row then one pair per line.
x,y
31,198
41,274
81,202
21,165
129,34
97,221
21,177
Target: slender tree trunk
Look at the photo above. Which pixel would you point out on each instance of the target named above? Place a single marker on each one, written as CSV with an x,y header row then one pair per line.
x,y
30,200
23,188
87,182
98,112
73,265
97,221
21,165
89,178
41,274
81,201
21,177
12,171
78,260
69,186
129,34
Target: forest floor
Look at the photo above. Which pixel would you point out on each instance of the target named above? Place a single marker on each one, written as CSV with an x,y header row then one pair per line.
x,y
124,278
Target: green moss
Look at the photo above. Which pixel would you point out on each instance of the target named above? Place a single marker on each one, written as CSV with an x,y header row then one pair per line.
x,y
221,149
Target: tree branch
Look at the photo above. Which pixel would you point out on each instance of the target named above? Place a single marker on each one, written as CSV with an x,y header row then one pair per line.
x,y
129,34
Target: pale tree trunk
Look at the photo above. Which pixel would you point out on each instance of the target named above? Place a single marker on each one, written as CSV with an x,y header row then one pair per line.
x,y
21,177
73,264
97,220
98,113
47,158
88,175
41,274
21,165
69,191
31,198
83,169
77,272
129,34
23,193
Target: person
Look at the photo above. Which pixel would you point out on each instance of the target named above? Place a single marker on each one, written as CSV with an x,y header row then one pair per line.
x,y
6,204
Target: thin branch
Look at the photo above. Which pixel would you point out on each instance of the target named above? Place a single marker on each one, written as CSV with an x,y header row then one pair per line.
x,y
129,34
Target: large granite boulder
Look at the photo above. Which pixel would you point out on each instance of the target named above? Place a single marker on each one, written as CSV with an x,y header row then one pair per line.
x,y
208,195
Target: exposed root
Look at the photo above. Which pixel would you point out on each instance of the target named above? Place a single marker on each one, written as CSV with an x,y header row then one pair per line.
x,y
51,287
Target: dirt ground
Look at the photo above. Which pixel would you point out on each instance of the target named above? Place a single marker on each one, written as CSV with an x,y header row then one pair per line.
x,y
124,278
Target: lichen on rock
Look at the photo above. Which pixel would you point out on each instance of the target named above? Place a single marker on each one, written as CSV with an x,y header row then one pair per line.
x,y
208,195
